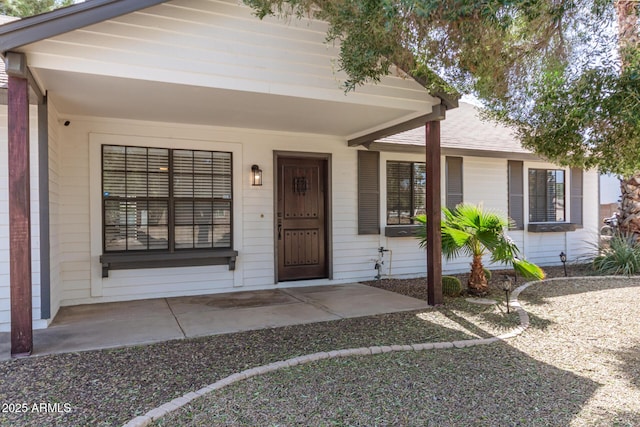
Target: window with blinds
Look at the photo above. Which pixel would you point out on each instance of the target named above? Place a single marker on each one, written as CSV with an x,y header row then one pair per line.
x,y
546,195
157,199
406,183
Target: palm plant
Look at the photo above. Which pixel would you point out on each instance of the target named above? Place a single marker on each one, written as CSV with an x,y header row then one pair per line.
x,y
622,256
470,231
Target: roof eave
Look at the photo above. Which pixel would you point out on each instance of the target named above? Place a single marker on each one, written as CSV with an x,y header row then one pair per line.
x,y
39,27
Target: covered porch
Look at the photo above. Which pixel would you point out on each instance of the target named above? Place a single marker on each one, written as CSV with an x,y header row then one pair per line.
x,y
129,323
181,75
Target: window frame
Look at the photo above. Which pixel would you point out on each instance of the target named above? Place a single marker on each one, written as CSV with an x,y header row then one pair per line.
x,y
531,220
171,200
412,204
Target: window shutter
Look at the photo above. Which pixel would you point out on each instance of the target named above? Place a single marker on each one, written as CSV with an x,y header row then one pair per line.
x,y
516,193
368,192
576,196
453,167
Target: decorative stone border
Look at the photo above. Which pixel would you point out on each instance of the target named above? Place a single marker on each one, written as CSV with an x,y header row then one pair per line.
x,y
154,414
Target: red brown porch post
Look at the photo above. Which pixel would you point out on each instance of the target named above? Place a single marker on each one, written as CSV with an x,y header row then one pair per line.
x,y
433,208
19,207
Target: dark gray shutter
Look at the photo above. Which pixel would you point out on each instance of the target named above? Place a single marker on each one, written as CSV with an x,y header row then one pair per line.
x,y
368,192
453,183
576,196
516,193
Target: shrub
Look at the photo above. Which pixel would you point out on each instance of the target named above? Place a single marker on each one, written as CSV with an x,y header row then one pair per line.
x,y
622,256
487,273
451,286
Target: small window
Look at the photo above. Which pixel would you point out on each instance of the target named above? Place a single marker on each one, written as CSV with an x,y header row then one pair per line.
x,y
546,195
157,199
406,184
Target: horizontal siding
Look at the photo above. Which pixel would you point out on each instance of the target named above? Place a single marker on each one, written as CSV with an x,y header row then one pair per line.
x,y
545,248
216,44
5,302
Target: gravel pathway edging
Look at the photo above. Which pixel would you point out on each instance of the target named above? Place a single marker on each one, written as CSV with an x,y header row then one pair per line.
x,y
177,403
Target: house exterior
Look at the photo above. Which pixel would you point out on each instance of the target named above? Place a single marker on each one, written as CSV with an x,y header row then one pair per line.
x,y
186,147
555,209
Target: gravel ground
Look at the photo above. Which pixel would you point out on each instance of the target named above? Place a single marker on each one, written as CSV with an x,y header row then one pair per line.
x,y
576,365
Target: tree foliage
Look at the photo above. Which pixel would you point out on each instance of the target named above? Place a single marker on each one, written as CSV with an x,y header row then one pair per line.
x,y
24,8
549,68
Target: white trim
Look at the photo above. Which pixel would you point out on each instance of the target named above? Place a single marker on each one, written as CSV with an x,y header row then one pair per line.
x,y
96,140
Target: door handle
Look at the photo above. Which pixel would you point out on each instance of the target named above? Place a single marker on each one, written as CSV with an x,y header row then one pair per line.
x,y
279,229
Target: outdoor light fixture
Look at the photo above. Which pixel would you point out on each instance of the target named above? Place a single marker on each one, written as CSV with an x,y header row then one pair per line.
x,y
563,259
256,176
505,284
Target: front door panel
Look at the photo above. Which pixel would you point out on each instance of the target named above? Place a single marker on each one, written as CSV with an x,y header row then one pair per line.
x,y
301,219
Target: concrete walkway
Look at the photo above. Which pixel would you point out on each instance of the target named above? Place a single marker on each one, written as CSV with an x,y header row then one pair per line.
x,y
99,326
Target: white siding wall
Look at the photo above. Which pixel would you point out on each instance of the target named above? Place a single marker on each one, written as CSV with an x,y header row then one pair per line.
x,y
5,304
253,211
581,243
35,217
54,210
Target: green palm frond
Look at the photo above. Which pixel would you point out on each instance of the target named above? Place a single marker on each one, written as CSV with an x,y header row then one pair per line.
x,y
527,269
471,231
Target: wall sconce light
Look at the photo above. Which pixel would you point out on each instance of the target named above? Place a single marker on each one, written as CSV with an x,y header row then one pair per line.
x,y
563,259
256,176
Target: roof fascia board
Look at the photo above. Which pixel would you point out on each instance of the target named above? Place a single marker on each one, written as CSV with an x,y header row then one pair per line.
x,y
39,27
437,113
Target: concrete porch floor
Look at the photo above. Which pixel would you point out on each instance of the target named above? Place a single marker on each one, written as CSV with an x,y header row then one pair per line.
x,y
109,325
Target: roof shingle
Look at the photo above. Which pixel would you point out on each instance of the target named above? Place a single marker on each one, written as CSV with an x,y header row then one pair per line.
x,y
464,129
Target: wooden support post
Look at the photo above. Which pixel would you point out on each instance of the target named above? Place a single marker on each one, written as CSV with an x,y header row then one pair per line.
x,y
19,217
433,207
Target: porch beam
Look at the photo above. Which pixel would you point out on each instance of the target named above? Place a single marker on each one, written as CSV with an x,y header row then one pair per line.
x,y
19,207
433,213
437,113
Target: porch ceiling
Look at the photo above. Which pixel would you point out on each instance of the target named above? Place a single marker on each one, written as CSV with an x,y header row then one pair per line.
x,y
78,94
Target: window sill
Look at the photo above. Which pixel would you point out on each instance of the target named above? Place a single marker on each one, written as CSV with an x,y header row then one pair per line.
x,y
551,227
130,261
401,230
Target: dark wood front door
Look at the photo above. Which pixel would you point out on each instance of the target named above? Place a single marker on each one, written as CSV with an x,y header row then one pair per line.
x,y
301,218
